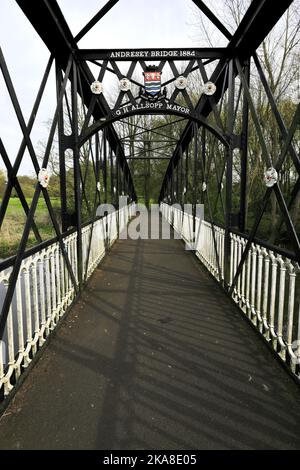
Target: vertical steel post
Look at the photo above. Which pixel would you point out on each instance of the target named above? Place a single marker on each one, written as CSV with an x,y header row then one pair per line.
x,y
117,179
186,173
97,164
177,182
149,172
104,163
117,193
181,177
62,156
229,159
244,155
123,180
203,156
195,175
111,162
77,170
172,182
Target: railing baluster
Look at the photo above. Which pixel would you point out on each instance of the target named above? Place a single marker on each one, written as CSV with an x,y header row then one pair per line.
x,y
248,265
2,363
11,353
281,344
235,261
243,275
253,284
273,299
21,346
291,308
35,302
67,274
53,287
297,344
28,316
58,285
49,323
62,282
239,283
231,258
266,325
259,288
41,276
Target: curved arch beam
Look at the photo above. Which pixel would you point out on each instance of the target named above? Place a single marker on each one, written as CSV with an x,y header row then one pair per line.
x,y
101,124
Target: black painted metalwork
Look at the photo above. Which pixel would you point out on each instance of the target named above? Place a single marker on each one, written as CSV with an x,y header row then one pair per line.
x,y
105,153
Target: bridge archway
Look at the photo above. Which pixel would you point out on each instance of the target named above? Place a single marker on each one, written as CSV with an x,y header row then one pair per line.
x,y
200,121
147,110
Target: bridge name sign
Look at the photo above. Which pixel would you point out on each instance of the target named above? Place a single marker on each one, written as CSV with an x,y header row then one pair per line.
x,y
152,108
154,54
151,54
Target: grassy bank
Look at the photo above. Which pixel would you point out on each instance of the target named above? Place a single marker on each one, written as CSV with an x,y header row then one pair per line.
x,y
14,222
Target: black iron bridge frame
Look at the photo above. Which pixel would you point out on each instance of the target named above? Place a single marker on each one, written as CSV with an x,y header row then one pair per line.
x,y
203,119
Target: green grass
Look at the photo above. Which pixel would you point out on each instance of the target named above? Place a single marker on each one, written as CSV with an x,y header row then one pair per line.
x,y
15,207
14,223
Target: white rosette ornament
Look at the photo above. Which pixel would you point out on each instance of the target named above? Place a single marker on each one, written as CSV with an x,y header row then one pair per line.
x,y
124,85
181,83
204,187
271,177
209,88
44,177
97,88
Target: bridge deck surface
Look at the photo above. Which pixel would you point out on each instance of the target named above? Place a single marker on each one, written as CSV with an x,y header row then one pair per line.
x,y
154,356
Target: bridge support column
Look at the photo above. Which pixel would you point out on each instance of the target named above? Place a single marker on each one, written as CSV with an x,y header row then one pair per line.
x,y
195,179
62,153
104,164
229,165
244,156
77,174
181,198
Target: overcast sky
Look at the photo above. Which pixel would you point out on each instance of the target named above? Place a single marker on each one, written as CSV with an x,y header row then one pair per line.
x,y
134,23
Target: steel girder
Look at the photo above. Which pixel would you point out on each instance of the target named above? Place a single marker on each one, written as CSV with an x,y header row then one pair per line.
x,y
258,21
48,21
260,18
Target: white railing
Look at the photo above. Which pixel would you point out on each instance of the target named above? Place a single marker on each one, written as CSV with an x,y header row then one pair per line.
x,y
187,227
44,291
210,247
93,249
202,240
267,290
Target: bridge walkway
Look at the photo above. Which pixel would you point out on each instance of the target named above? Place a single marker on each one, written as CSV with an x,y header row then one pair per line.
x,y
154,356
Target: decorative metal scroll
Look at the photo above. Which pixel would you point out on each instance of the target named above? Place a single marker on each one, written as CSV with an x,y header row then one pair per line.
x,y
158,87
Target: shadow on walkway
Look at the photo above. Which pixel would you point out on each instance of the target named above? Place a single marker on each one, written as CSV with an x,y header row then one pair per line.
x,y
154,356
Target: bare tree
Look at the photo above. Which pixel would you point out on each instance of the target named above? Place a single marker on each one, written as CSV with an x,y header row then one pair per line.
x,y
279,55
